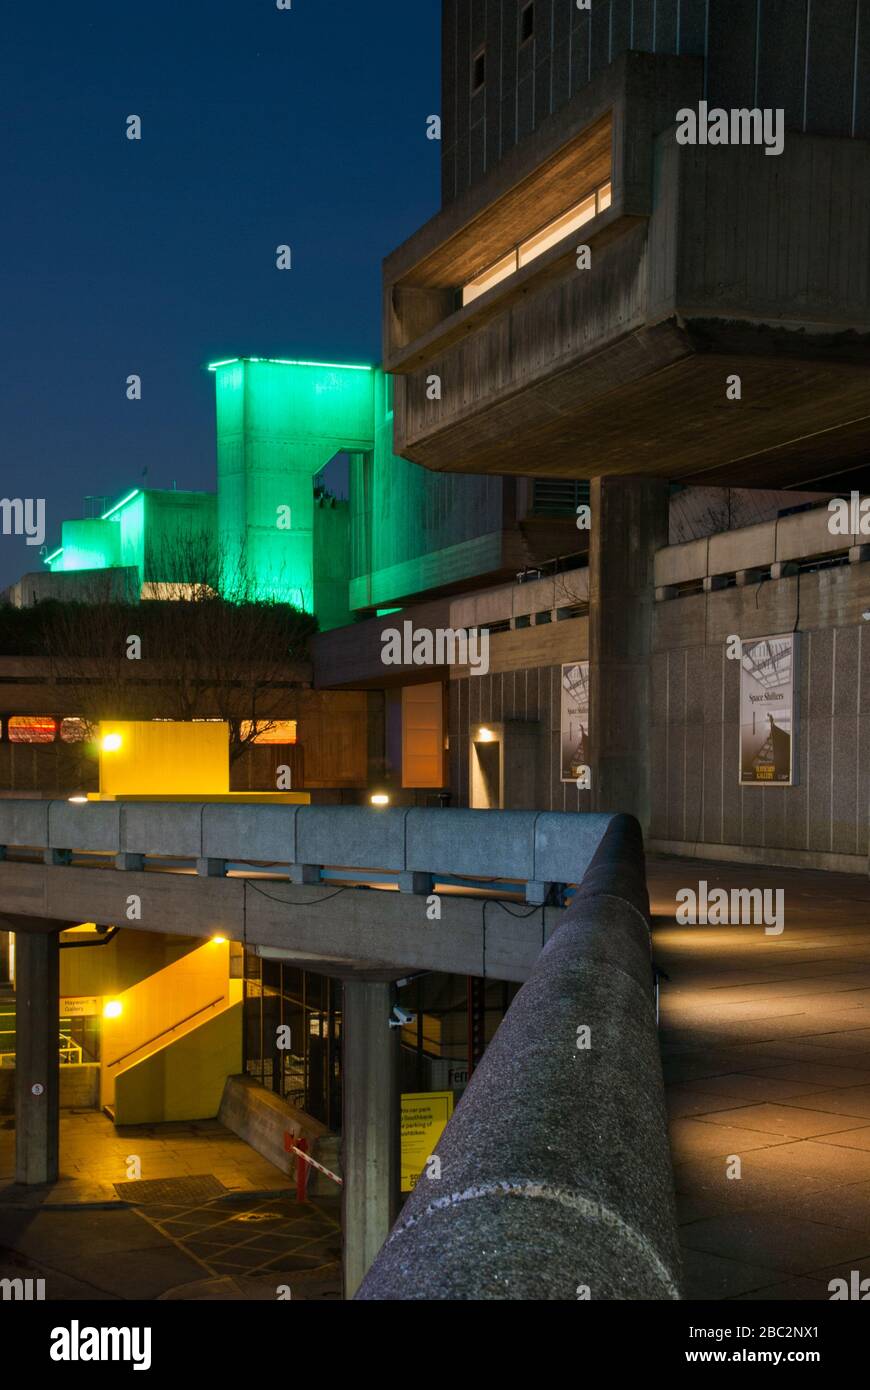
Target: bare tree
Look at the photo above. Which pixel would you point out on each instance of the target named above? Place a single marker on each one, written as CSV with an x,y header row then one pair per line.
x,y
203,644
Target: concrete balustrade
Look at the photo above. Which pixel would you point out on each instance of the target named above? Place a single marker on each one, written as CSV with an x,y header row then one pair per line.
x,y
355,837
66,823
805,535
554,1176
470,844
232,832
412,844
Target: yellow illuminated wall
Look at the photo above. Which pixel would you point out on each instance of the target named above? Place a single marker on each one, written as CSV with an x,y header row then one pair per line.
x,y
163,758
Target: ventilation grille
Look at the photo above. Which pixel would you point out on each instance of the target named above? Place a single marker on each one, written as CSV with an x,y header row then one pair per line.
x,y
558,496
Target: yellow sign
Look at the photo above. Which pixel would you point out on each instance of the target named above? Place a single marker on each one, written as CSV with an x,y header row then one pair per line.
x,y
80,1006
424,1116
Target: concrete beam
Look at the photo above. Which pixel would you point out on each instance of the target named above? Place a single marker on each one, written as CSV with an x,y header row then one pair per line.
x,y
371,1135
334,931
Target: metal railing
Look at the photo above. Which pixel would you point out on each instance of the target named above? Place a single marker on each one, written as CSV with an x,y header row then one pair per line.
x,y
171,1029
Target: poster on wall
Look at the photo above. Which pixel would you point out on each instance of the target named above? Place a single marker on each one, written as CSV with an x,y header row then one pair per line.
x,y
575,720
424,1117
768,714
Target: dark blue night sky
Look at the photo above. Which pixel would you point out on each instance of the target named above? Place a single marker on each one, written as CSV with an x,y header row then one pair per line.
x,y
260,127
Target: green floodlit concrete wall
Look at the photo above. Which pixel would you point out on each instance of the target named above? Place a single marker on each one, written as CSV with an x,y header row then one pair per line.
x,y
412,529
179,530
279,424
89,545
157,534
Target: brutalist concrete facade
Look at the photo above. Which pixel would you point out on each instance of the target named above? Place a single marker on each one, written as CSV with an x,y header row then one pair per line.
x,y
812,59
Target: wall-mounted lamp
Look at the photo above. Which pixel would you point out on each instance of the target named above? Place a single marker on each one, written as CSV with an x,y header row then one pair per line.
x,y
111,743
485,736
379,799
113,1009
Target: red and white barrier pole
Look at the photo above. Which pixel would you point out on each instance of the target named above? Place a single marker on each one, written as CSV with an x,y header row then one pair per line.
x,y
299,1147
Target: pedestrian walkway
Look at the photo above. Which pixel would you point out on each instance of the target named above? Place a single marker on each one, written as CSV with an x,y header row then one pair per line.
x,y
206,1218
94,1156
766,1052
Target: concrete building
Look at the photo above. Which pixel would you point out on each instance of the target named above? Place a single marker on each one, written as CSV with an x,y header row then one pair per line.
x,y
593,556
611,290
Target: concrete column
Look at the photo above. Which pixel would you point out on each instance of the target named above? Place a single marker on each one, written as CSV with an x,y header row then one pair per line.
x,y
370,1133
37,1082
629,524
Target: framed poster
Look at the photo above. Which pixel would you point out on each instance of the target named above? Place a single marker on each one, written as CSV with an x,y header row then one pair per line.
x,y
575,720
768,711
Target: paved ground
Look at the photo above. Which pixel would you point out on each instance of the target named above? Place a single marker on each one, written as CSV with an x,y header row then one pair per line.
x,y
97,1235
766,1048
93,1156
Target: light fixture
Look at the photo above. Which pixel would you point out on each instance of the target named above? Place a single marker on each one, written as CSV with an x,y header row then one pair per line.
x,y
111,743
485,736
77,800
113,1009
218,941
380,799
866,616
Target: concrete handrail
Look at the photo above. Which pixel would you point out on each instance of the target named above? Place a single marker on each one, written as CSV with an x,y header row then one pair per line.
x,y
801,536
535,847
555,1173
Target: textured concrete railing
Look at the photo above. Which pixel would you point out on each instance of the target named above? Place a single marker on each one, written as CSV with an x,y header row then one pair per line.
x,y
413,845
782,542
555,1174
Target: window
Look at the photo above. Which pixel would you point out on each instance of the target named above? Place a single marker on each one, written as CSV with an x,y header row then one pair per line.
x,y
500,271
24,728
272,731
549,235
74,730
555,231
527,23
478,70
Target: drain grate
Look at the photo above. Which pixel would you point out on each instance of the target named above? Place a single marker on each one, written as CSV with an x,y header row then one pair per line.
x,y
171,1191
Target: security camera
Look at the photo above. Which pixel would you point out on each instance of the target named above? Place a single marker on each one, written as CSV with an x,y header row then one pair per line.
x,y
401,1017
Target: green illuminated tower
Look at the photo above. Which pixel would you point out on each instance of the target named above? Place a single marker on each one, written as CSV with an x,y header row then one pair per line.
x,y
278,424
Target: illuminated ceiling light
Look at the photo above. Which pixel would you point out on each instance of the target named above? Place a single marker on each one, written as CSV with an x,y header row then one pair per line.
x,y
380,799
113,1009
111,743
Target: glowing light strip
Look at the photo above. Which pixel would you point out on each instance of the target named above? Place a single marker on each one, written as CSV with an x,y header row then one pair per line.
x,y
53,555
287,362
123,502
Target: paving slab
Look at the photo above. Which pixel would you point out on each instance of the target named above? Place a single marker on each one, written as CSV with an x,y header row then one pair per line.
x,y
775,1033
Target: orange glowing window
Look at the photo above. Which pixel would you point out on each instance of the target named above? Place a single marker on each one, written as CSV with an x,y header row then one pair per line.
x,y
32,728
274,731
